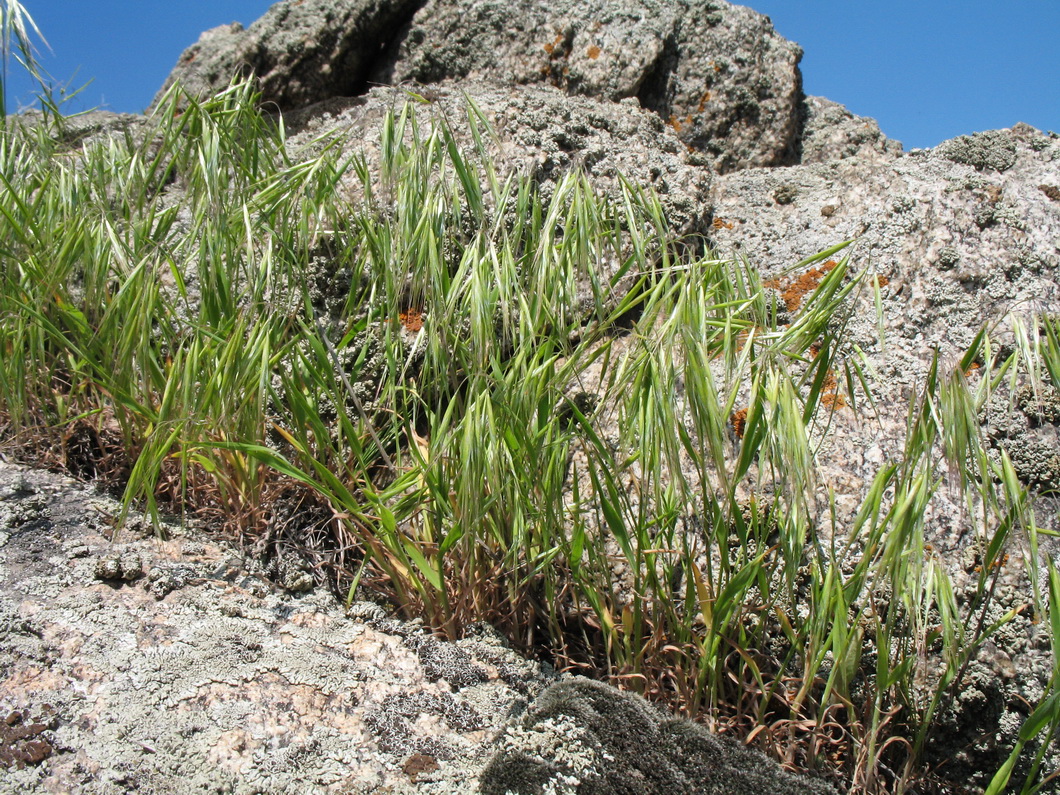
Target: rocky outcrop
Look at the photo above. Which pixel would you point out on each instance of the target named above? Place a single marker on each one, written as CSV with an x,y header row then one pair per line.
x,y
135,665
956,237
831,132
302,52
717,73
699,101
960,233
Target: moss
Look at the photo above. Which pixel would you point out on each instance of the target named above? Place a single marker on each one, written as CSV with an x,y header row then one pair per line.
x,y
518,773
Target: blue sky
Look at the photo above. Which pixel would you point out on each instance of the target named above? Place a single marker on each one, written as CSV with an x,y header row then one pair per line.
x,y
927,70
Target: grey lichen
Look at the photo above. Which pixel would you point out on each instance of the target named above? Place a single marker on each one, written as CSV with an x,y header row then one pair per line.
x,y
446,661
393,722
992,149
903,204
585,737
1041,405
18,509
125,566
948,257
1023,427
785,194
164,578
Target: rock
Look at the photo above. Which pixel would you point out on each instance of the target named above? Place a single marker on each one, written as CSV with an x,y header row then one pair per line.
x,y
217,686
958,235
993,150
831,132
584,737
717,73
302,52
700,102
957,245
84,129
537,132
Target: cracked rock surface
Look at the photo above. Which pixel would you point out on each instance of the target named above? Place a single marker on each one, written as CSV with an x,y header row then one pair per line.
x,y
218,681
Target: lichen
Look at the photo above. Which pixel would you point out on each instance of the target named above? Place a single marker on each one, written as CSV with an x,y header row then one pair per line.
x,y
448,662
785,194
948,257
1041,405
587,738
993,149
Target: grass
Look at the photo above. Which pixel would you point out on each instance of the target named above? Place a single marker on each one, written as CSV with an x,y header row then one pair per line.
x,y
491,405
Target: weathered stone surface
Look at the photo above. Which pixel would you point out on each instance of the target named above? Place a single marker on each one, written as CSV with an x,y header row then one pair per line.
x,y
957,244
226,684
718,73
84,129
960,236
831,132
222,682
302,51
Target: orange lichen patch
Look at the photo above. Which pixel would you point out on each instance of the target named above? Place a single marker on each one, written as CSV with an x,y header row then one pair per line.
x,y
593,52
552,45
703,101
721,223
830,397
997,564
739,422
795,290
411,319
680,124
881,281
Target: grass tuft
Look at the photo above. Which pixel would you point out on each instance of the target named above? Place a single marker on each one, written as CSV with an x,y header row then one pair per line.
x,y
489,404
